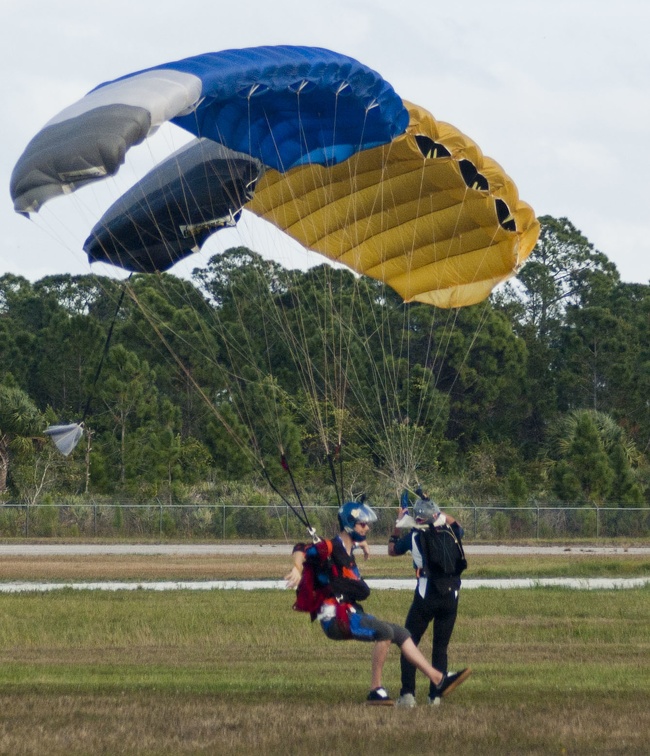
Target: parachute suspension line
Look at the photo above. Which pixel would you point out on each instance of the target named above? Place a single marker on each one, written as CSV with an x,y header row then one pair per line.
x,y
302,515
407,329
255,453
344,356
184,369
335,356
386,376
384,383
330,461
66,437
242,351
107,344
340,458
301,129
285,466
296,339
316,381
319,376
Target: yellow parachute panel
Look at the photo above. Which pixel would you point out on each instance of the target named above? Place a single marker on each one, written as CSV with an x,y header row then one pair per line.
x,y
427,214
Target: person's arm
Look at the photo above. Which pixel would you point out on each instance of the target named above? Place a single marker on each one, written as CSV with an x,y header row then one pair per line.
x,y
398,533
350,590
449,520
399,542
364,548
456,527
295,573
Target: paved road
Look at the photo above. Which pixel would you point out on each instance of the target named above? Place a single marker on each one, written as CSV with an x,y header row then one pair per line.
x,y
585,584
90,549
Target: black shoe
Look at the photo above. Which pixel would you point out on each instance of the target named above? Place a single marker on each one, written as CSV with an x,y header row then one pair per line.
x,y
451,681
379,697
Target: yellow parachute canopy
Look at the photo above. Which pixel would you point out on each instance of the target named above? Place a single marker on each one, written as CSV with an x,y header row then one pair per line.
x,y
427,214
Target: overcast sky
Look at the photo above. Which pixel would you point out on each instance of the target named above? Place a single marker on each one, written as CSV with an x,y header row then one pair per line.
x,y
556,91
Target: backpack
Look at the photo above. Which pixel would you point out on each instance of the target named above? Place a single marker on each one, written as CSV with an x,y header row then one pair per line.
x,y
313,588
442,552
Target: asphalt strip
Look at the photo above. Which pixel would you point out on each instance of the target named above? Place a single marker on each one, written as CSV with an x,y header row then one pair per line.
x,y
585,584
199,549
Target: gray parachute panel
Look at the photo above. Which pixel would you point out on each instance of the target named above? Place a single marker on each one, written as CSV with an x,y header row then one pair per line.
x,y
67,155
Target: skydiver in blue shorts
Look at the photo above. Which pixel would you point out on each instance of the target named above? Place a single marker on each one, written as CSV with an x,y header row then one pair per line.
x,y
337,592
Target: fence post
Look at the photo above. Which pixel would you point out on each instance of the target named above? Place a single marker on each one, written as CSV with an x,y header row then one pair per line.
x,y
160,520
537,523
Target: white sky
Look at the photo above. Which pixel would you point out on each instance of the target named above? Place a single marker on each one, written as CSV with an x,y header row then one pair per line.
x,y
557,91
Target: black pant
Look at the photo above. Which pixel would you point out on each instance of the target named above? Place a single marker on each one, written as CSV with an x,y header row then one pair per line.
x,y
442,611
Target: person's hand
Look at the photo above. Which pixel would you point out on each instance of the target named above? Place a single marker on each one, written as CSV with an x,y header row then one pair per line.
x,y
365,548
293,577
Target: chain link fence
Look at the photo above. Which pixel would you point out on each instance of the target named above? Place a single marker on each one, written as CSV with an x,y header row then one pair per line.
x,y
119,519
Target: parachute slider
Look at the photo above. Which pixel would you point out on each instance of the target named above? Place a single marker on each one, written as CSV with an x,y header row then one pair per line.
x,y
198,229
74,177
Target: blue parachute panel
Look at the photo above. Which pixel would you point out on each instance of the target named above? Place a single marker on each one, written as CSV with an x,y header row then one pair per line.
x,y
284,106
289,105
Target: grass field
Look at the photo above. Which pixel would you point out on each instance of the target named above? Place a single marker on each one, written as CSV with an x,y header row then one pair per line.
x,y
227,672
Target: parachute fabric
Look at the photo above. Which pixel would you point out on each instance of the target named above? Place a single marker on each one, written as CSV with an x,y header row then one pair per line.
x,y
283,105
65,437
388,192
172,211
427,214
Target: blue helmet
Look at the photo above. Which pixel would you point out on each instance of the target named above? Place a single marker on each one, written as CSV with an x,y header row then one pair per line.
x,y
353,512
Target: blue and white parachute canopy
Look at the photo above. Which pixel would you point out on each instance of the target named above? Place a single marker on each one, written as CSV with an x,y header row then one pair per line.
x,y
284,105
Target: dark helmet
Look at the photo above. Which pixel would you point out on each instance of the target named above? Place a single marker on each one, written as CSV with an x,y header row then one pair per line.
x,y
353,512
425,510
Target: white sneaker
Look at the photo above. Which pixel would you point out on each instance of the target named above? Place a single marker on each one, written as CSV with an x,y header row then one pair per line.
x,y
407,700
435,701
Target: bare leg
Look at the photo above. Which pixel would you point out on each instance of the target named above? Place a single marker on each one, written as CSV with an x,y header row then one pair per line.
x,y
414,655
379,654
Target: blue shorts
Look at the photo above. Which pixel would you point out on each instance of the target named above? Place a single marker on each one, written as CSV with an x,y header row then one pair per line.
x,y
365,627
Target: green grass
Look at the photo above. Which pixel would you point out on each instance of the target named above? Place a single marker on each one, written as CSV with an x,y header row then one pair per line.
x,y
230,672
535,566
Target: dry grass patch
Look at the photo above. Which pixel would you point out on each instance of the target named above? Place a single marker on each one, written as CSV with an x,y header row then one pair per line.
x,y
181,724
181,567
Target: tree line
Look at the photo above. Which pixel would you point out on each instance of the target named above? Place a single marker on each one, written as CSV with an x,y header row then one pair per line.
x,y
296,380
